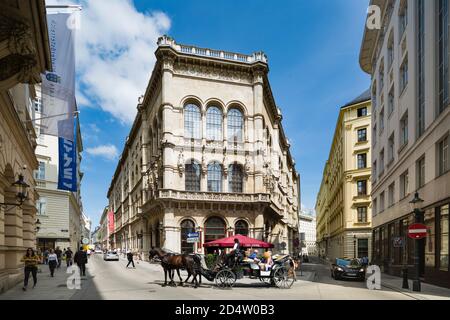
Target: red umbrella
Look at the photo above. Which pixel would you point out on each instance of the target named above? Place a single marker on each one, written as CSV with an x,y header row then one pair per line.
x,y
243,240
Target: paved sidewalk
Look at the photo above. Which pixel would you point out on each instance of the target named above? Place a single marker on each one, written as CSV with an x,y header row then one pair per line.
x,y
428,291
47,288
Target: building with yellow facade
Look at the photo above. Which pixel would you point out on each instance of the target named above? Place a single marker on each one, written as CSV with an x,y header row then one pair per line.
x,y
343,203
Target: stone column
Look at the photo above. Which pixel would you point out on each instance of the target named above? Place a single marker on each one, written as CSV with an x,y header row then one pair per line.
x,y
29,225
171,234
258,128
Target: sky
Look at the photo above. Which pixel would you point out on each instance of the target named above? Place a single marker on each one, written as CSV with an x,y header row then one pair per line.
x,y
312,46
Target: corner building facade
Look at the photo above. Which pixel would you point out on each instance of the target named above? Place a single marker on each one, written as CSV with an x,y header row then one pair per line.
x,y
207,153
408,61
343,204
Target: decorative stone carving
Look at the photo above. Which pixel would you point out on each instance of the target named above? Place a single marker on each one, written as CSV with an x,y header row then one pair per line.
x,y
181,162
225,164
247,165
212,72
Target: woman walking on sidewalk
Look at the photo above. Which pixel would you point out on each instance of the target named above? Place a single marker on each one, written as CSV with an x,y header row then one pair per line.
x,y
52,261
31,261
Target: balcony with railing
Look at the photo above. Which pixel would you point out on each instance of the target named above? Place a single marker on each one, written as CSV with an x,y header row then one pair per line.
x,y
170,194
166,41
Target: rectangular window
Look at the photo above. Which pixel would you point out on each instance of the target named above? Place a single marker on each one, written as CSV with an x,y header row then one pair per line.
x,y
362,187
362,161
404,130
403,17
382,201
443,154
381,121
363,248
374,207
362,112
362,214
420,172
404,185
41,206
38,105
381,162
381,75
40,173
374,170
404,75
374,95
362,135
444,238
430,247
391,195
391,101
374,134
391,146
443,61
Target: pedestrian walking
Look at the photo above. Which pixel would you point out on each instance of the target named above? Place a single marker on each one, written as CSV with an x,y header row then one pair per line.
x,y
58,253
81,259
31,261
130,259
46,256
69,255
52,262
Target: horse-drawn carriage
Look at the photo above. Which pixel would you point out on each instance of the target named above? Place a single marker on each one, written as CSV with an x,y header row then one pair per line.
x,y
281,274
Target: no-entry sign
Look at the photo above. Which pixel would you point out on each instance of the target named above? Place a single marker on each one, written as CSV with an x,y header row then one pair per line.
x,y
417,231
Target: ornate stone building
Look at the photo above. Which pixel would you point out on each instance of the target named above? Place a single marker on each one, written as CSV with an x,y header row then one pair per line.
x,y
24,54
206,153
343,207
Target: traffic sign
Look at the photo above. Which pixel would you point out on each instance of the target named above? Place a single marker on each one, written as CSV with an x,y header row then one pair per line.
x,y
193,235
417,231
399,242
85,241
192,240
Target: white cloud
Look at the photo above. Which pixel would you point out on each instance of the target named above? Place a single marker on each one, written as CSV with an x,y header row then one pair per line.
x,y
115,47
108,151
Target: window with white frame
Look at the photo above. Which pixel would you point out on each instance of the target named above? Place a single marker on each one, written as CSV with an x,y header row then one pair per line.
x,y
443,156
404,184
404,129
235,125
192,121
404,75
214,123
41,206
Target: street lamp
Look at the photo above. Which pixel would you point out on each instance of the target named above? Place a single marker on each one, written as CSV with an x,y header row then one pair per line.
x,y
21,192
38,225
416,204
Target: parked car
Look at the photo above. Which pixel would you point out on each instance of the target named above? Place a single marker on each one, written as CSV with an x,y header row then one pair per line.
x,y
111,255
98,251
348,269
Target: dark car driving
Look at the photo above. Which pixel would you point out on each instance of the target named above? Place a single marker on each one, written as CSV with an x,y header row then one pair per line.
x,y
348,269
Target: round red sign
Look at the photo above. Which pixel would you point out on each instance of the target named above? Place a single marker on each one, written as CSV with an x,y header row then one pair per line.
x,y
417,231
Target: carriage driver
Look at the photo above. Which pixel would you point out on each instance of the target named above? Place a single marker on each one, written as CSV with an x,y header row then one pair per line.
x,y
234,254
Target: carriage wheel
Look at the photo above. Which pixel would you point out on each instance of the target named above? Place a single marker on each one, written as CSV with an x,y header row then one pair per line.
x,y
283,278
225,279
267,281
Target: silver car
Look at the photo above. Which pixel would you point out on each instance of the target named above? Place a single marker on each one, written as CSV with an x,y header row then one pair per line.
x,y
111,255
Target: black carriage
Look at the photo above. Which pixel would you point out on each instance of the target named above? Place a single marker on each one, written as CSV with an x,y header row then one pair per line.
x,y
281,274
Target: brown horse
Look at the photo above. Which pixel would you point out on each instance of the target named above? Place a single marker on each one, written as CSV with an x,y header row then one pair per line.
x,y
171,262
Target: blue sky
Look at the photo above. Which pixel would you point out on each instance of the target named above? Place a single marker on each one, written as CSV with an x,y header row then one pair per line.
x,y
312,46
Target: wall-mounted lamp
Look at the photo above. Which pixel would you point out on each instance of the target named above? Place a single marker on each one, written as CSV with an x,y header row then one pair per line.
x,y
21,192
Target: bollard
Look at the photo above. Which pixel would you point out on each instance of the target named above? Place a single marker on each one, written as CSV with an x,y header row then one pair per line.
x,y
405,278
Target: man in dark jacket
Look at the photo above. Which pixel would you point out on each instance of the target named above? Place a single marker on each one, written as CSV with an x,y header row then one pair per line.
x,y
81,259
59,255
130,259
69,255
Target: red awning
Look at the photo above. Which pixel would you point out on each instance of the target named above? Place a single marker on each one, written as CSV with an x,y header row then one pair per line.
x,y
244,241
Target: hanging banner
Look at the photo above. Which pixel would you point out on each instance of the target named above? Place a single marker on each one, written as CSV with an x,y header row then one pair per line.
x,y
111,222
58,86
67,175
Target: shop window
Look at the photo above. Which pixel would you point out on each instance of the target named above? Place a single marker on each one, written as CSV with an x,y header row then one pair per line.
x,y
444,238
430,251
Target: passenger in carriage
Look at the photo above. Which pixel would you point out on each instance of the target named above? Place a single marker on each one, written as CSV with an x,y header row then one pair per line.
x,y
267,261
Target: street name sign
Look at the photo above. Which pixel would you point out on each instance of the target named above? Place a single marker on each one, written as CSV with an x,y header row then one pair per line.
x,y
417,231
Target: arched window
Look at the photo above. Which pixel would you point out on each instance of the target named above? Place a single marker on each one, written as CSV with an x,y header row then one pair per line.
x,y
235,125
187,226
214,177
235,178
192,120
192,176
241,227
214,229
213,124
